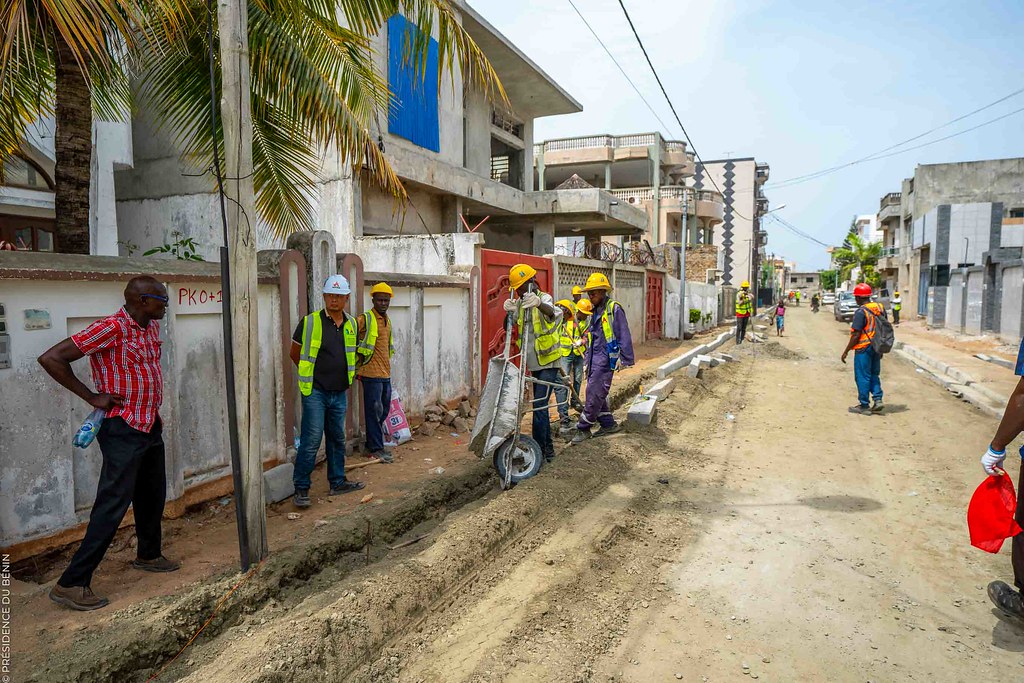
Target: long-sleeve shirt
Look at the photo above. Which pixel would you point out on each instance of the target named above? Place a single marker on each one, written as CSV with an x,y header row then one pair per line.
x,y
597,352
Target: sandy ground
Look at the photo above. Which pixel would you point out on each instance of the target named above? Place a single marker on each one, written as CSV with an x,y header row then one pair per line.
x,y
795,542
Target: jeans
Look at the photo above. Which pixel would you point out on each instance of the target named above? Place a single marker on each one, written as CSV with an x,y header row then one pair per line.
x,y
895,316
867,365
132,473
541,418
573,366
376,406
322,411
741,328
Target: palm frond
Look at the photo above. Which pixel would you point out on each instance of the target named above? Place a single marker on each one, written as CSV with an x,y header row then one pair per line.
x,y
26,93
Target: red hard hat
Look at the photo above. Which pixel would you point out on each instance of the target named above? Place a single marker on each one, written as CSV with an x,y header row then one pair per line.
x,y
863,289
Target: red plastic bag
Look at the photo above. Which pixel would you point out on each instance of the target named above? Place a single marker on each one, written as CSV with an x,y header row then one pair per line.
x,y
990,514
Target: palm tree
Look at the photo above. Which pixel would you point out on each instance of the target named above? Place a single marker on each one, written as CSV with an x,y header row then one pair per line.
x,y
313,84
65,58
859,254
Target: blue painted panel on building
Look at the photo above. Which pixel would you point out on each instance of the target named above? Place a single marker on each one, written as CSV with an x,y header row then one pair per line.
x,y
414,116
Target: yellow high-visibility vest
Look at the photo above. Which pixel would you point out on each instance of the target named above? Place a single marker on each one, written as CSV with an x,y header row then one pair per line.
x,y
369,341
312,338
546,339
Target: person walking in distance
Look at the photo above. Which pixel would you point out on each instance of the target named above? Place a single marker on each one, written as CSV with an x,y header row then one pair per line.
x,y
779,314
376,346
573,346
124,355
867,364
897,306
324,350
744,309
543,354
609,348
1009,600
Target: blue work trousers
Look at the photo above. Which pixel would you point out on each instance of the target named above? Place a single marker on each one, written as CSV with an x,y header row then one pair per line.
x,y
867,366
376,406
322,412
573,366
541,401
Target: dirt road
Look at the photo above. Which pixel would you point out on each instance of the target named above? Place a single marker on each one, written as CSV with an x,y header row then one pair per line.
x,y
757,530
795,542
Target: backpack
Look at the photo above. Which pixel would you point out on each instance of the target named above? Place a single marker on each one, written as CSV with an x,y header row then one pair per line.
x,y
885,337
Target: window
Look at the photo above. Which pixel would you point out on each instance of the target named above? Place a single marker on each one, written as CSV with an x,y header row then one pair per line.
x,y
27,234
793,280
810,280
1017,213
415,114
20,172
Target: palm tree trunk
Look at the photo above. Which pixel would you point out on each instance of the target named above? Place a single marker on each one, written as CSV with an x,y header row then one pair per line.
x,y
73,150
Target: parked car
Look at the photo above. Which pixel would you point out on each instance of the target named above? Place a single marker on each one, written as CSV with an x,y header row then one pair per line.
x,y
845,306
828,299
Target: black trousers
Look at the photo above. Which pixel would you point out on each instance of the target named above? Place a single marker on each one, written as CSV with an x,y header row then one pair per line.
x,y
741,328
132,473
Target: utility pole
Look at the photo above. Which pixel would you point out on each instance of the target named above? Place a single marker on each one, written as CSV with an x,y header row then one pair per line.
x,y
684,310
240,293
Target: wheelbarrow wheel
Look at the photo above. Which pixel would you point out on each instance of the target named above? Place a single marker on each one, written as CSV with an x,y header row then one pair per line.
x,y
526,458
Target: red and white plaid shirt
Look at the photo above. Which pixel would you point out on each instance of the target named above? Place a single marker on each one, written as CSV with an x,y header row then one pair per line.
x,y
125,361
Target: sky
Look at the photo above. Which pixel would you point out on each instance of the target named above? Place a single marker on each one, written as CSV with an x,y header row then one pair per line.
x,y
802,85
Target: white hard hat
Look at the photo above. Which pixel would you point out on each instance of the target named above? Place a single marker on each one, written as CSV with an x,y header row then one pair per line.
x,y
337,284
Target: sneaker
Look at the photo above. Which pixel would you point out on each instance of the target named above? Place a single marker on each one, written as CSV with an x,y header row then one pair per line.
x,y
79,598
581,436
347,487
877,407
1006,599
159,565
605,431
302,498
384,456
859,410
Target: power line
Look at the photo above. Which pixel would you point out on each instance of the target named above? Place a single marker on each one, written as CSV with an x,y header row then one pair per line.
x,y
796,231
619,66
880,154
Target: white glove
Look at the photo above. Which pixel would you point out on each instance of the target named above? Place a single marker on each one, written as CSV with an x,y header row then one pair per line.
x,y
531,300
510,305
991,460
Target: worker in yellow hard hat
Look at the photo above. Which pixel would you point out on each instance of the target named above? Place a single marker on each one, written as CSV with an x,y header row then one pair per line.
x,y
897,306
577,294
609,348
744,309
573,347
540,319
376,346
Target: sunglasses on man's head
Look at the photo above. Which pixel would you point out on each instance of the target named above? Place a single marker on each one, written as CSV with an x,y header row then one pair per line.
x,y
163,299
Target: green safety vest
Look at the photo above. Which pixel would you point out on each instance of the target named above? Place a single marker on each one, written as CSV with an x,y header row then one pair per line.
x,y
744,305
571,331
312,338
546,338
368,343
607,320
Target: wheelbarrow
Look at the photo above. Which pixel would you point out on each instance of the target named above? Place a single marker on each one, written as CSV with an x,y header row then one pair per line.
x,y
496,433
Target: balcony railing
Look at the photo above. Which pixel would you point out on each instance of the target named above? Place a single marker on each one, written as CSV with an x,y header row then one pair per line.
x,y
889,252
891,199
645,194
507,124
592,141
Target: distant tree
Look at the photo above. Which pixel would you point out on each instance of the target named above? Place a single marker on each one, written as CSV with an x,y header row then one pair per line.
x,y
829,279
858,255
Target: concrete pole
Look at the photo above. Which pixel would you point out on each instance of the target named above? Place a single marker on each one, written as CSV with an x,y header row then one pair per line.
x,y
684,310
654,152
608,175
236,119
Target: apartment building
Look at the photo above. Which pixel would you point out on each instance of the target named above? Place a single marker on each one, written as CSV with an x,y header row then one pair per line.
x,y
459,157
643,170
741,238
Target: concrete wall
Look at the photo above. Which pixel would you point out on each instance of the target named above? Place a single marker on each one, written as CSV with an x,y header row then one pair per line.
x,y
1011,301
805,283
628,282
447,254
703,297
733,235
670,309
46,485
997,180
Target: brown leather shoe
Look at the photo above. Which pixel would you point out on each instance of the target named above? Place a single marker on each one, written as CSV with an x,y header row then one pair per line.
x,y
159,565
80,598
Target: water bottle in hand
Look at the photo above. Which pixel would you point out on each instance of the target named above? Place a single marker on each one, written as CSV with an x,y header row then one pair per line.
x,y
89,429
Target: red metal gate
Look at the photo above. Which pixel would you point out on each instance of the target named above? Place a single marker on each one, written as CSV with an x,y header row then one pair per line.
x,y
494,267
655,302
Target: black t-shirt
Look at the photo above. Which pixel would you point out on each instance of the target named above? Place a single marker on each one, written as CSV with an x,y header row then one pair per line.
x,y
330,371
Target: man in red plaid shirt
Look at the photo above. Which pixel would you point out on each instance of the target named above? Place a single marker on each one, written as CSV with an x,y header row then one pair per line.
x,y
124,355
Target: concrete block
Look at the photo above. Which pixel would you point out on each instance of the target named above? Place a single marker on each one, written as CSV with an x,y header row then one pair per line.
x,y
694,369
277,483
703,360
1001,362
662,389
761,328
642,412
726,357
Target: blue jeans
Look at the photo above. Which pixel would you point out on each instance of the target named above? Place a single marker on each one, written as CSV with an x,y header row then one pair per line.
x,y
573,366
867,365
541,400
376,406
322,411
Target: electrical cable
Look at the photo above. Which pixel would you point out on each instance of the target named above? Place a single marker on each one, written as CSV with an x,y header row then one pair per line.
x,y
796,231
880,154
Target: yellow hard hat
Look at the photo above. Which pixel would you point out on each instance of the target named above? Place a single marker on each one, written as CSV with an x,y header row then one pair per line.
x,y
520,274
897,293
745,284
381,288
568,304
577,290
597,281
585,307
